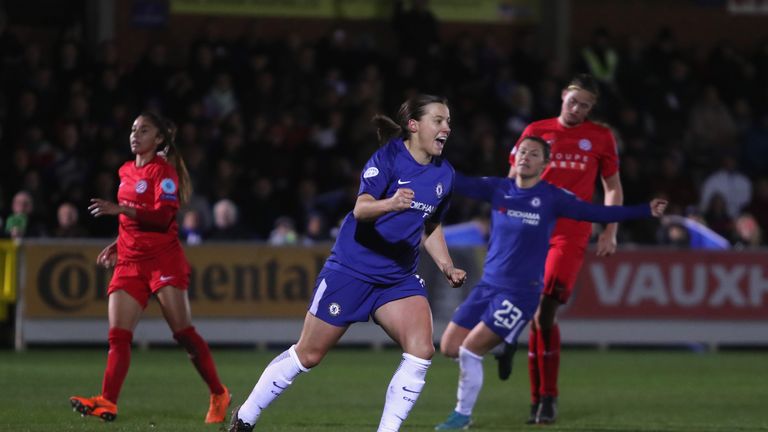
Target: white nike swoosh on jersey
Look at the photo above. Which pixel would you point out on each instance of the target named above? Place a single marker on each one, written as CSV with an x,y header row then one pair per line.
x,y
165,278
508,196
400,182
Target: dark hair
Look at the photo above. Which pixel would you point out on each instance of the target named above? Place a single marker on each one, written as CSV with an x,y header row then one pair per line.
x,y
585,82
413,108
544,144
167,129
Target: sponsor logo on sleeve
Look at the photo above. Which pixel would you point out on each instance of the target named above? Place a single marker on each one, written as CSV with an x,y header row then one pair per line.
x,y
168,185
371,172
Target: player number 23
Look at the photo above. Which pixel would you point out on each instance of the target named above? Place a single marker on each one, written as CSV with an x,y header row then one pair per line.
x,y
508,316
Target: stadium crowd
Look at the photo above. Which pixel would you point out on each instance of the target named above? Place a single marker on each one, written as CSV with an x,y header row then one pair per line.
x,y
274,130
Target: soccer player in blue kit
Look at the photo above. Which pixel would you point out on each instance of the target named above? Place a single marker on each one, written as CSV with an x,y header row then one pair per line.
x,y
404,192
524,211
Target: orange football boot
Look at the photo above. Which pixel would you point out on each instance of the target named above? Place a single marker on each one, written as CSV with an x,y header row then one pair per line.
x,y
96,406
217,410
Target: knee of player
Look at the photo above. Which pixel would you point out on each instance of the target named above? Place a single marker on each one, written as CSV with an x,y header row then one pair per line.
x,y
310,359
423,351
449,351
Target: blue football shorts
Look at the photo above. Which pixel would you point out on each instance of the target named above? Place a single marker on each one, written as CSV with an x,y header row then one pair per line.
x,y
505,311
340,299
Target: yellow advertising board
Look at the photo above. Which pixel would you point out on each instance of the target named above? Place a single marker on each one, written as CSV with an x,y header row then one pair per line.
x,y
444,10
227,281
7,276
7,271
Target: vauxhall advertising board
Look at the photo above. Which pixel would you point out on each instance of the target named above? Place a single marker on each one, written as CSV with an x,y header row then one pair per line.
x,y
684,285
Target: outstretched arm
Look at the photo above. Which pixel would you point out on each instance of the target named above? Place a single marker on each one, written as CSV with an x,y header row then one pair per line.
x,y
479,188
574,208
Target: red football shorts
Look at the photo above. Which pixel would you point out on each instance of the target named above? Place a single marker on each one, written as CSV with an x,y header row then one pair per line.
x,y
564,261
141,279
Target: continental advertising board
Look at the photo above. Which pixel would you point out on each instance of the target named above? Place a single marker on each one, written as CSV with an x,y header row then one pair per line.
x,y
253,281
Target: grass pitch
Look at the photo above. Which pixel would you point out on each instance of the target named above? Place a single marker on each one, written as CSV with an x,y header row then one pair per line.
x,y
600,391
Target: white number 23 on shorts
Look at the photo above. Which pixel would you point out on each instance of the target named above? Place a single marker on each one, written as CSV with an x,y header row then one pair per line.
x,y
508,316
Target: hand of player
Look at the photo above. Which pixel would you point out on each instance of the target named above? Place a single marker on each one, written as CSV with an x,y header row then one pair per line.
x,y
100,207
456,277
108,256
658,206
606,244
402,199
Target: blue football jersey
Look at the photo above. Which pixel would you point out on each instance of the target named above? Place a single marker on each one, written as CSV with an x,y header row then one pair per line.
x,y
522,221
387,250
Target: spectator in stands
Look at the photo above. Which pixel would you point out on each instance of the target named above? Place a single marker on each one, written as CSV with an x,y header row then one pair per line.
x,y
23,221
191,230
601,60
674,235
732,186
747,233
711,128
220,101
284,233
226,223
69,222
717,217
316,230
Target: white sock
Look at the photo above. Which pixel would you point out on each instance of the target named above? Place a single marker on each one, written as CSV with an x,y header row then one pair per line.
x,y
470,381
403,391
278,375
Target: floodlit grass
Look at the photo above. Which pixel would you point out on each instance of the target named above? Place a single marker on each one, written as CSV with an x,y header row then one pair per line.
x,y
600,391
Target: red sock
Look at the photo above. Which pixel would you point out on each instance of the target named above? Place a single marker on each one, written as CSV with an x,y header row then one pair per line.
x,y
533,365
118,361
201,357
549,360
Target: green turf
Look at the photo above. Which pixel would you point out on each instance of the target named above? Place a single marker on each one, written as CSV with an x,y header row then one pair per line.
x,y
601,391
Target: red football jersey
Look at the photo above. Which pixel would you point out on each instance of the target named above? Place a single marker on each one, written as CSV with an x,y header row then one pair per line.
x,y
149,187
579,154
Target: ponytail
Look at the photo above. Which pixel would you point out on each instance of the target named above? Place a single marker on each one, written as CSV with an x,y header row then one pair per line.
x,y
167,129
386,128
175,159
